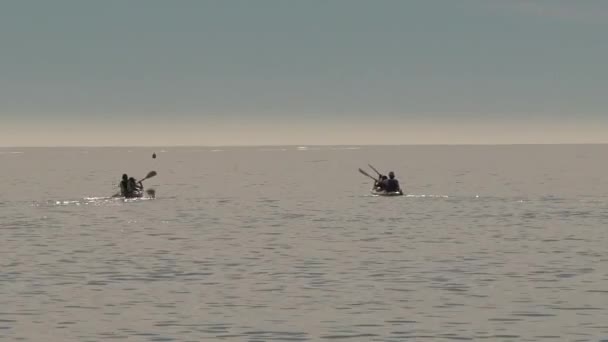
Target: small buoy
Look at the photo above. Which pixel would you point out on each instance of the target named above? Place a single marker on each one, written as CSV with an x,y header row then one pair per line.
x,y
153,155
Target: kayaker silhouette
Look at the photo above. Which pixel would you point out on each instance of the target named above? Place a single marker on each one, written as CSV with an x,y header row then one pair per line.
x,y
123,185
391,184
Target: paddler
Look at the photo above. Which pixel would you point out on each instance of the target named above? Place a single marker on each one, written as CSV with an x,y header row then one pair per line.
x,y
123,185
391,184
379,185
133,187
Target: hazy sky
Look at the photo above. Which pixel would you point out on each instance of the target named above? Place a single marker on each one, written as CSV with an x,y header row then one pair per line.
x,y
223,72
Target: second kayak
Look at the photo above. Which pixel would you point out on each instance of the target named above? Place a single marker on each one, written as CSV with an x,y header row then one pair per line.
x,y
386,193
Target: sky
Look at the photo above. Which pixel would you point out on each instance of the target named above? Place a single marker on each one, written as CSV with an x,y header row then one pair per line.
x,y
277,72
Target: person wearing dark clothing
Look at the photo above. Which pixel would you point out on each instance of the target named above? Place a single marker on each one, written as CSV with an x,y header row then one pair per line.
x,y
133,187
379,185
123,185
391,184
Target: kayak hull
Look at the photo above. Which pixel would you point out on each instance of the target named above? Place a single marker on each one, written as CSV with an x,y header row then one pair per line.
x,y
136,194
150,193
387,194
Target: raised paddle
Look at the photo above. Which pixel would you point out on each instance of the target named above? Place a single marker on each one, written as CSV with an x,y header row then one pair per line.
x,y
149,175
373,168
367,174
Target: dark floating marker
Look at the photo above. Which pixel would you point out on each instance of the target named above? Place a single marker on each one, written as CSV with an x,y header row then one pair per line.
x,y
153,155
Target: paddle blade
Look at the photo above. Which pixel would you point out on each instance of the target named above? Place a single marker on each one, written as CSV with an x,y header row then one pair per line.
x,y
151,193
366,174
149,175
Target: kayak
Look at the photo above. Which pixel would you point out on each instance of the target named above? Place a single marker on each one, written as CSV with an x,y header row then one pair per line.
x,y
138,189
151,193
136,194
386,193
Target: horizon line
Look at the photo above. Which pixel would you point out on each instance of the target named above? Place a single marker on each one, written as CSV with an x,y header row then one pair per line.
x,y
303,145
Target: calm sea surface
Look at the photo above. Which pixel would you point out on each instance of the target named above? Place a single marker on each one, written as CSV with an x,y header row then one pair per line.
x,y
497,243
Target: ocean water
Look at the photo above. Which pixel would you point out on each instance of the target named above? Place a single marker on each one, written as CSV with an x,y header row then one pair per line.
x,y
496,243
